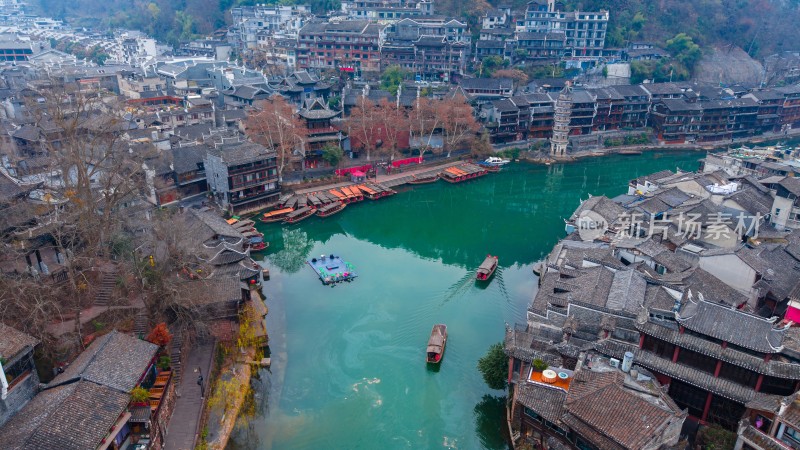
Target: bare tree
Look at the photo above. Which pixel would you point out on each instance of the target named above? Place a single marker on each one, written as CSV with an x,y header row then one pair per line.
x,y
423,122
393,123
363,125
276,126
458,123
96,175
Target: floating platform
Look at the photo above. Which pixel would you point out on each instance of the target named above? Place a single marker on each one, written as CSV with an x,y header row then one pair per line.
x,y
332,269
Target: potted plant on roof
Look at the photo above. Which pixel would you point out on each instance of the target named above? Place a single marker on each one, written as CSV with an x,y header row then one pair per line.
x,y
139,396
539,365
164,363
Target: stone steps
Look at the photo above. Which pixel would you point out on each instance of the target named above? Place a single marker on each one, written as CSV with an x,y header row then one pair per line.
x,y
104,291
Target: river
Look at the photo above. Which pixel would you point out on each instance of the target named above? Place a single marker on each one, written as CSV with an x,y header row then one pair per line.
x,y
348,368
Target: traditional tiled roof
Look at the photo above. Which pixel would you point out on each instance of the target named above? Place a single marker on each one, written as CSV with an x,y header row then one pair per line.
x,y
778,268
527,347
487,83
724,323
712,288
9,188
114,360
188,159
627,291
216,225
75,416
602,205
706,381
241,152
753,201
546,401
13,341
730,355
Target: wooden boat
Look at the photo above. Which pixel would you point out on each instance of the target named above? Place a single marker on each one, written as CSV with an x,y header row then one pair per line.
x,y
276,216
258,246
487,268
252,234
338,195
424,180
243,225
330,209
436,344
300,214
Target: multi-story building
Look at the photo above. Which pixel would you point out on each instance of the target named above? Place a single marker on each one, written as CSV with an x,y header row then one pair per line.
x,y
508,119
676,120
584,32
242,175
541,45
20,380
564,398
635,106
247,22
432,48
482,90
769,104
319,132
790,112
609,104
137,86
542,110
387,11
348,45
582,111
16,50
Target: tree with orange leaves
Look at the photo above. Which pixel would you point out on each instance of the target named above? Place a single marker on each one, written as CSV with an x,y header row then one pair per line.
x,y
159,335
363,125
276,126
393,123
458,123
423,122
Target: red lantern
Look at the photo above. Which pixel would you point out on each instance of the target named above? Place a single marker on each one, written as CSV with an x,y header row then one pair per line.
x,y
252,281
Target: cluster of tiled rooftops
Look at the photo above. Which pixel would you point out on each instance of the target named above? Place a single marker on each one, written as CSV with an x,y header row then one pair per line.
x,y
657,330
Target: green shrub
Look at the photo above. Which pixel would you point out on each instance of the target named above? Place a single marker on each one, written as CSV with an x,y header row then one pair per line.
x,y
139,394
539,365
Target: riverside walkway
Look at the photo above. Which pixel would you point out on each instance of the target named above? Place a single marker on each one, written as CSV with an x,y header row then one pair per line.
x,y
182,430
391,180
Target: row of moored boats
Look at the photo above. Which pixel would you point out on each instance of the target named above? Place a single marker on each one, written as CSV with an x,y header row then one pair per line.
x,y
325,203
255,240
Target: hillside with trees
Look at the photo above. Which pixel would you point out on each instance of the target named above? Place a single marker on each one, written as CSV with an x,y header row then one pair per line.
x,y
760,27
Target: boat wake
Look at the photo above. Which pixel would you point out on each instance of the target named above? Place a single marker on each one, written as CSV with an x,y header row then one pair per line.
x,y
459,288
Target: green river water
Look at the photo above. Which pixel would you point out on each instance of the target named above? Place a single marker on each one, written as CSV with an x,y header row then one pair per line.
x,y
348,369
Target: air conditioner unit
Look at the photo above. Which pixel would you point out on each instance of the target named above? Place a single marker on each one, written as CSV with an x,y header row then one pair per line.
x,y
613,362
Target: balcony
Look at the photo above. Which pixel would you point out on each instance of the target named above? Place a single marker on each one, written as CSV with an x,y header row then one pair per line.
x,y
235,186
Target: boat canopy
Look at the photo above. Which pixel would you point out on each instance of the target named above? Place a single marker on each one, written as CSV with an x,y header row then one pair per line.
x,y
487,264
278,212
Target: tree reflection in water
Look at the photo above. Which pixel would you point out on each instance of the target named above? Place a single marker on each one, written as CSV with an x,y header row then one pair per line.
x,y
296,248
490,423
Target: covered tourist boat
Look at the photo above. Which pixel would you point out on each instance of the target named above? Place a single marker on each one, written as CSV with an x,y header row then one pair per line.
x,y
277,215
436,344
300,214
424,180
330,209
487,268
244,225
